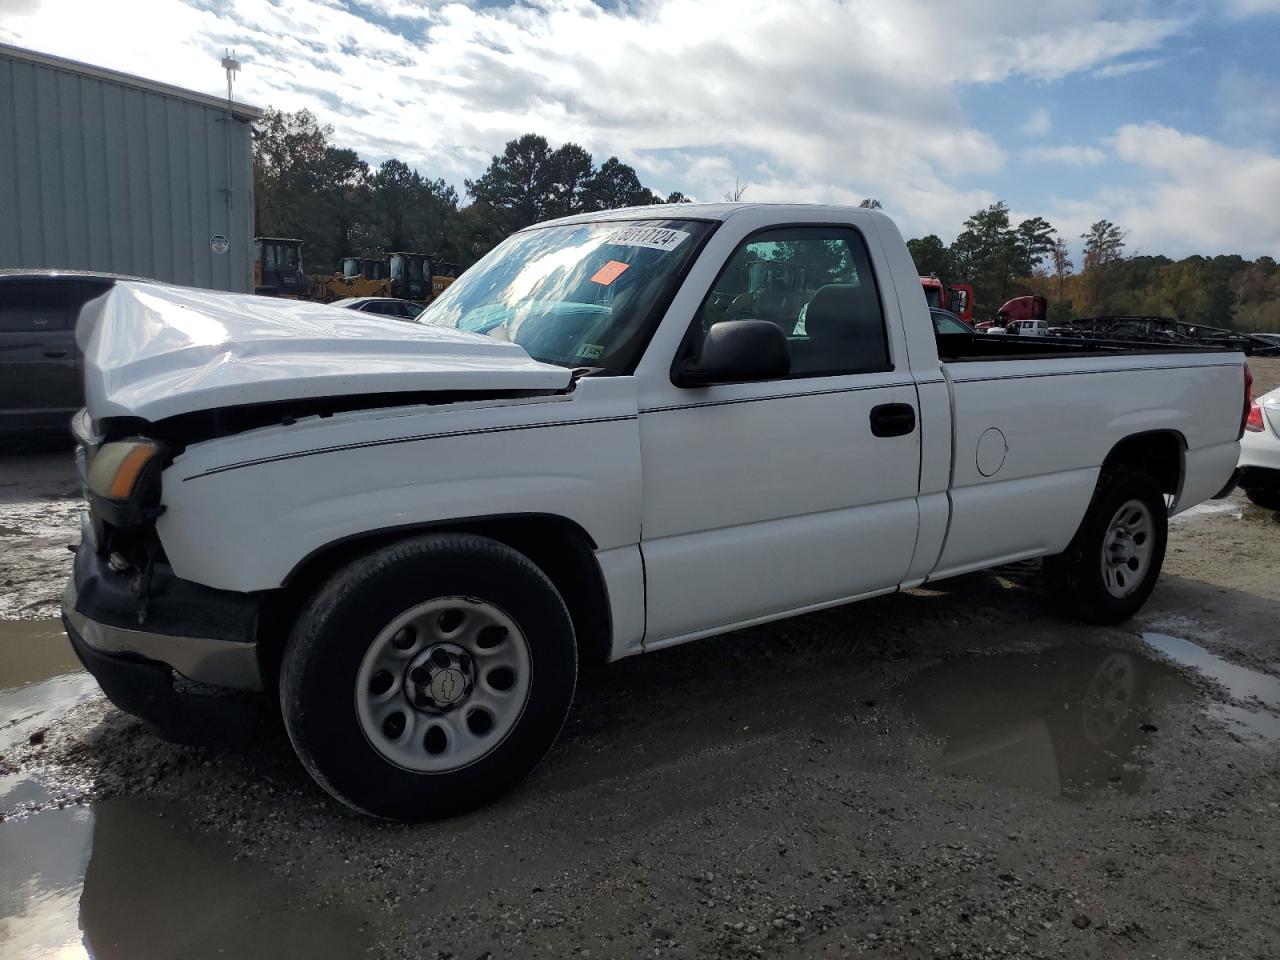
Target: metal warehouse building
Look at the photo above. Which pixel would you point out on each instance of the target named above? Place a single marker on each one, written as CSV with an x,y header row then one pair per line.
x,y
104,171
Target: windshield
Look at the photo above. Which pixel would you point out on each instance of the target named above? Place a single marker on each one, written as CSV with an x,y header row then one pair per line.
x,y
577,295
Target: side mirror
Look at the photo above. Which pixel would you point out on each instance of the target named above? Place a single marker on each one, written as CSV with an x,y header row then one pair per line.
x,y
738,351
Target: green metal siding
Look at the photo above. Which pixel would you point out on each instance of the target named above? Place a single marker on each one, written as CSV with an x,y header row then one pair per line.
x,y
100,175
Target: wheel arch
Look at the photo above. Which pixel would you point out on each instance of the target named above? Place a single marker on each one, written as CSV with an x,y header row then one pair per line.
x,y
1161,453
558,546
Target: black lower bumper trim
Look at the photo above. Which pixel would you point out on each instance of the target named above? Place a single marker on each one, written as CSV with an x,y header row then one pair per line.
x,y
145,689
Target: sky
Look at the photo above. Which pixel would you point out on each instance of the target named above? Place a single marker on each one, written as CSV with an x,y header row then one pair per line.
x,y
1161,116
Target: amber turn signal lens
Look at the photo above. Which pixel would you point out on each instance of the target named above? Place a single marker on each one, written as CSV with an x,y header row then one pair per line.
x,y
116,467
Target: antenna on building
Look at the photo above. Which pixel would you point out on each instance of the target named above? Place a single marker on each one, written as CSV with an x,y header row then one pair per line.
x,y
232,66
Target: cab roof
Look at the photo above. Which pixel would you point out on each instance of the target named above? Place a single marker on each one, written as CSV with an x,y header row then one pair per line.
x,y
702,211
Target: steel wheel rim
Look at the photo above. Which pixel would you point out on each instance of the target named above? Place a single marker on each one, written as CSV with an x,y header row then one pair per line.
x,y
1127,548
443,684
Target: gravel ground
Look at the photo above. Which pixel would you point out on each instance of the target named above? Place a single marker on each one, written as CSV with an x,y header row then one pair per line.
x,y
952,772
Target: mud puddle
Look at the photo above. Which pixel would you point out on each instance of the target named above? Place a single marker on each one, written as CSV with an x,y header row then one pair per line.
x,y
33,650
1249,688
1071,721
127,878
40,678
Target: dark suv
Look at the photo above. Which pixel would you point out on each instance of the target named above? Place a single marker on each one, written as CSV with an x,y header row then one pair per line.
x,y
41,383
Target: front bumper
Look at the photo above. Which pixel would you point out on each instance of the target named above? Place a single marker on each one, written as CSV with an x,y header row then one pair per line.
x,y
229,664
190,667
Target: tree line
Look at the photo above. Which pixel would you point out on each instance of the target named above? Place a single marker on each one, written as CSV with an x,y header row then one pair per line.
x,y
1002,260
308,188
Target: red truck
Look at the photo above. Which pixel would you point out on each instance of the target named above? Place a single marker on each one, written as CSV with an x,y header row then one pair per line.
x,y
958,298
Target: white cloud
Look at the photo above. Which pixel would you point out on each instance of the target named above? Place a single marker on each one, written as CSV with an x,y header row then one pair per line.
x,y
1076,156
1039,123
1112,70
1197,195
813,98
399,9
1250,8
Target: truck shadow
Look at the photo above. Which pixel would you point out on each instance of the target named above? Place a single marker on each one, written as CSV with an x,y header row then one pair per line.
x,y
860,683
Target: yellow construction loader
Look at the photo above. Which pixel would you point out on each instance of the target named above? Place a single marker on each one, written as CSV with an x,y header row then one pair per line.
x,y
359,277
418,276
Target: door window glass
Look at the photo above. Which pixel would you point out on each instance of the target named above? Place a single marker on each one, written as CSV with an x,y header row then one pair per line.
x,y
816,285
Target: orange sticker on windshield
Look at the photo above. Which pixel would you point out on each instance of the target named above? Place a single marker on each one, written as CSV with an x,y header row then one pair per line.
x,y
610,272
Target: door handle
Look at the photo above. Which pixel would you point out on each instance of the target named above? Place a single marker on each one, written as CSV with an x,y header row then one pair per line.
x,y
893,419
55,354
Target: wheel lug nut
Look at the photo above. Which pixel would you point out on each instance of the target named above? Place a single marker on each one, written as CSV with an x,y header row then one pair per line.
x,y
421,699
418,674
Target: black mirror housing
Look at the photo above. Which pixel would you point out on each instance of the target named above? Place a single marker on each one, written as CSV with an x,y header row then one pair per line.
x,y
738,351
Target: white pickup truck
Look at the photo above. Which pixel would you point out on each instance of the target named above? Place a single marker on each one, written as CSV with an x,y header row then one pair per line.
x,y
615,433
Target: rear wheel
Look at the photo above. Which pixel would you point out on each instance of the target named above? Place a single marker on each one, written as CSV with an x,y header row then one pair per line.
x,y
429,677
1111,566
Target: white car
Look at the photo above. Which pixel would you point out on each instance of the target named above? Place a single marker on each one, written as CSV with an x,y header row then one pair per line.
x,y
1260,452
1028,328
609,436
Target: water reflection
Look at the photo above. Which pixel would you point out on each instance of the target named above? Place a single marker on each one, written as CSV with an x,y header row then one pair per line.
x,y
129,879
33,650
1069,721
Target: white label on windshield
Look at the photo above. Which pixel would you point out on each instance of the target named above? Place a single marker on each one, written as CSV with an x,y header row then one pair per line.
x,y
655,238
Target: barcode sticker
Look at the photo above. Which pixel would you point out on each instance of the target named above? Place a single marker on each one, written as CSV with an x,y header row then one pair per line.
x,y
654,238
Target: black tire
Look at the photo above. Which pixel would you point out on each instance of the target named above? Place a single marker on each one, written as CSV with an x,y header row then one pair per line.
x,y
1264,493
1075,577
330,640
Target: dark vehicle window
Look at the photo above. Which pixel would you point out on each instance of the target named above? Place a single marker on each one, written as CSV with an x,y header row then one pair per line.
x,y
944,322
34,308
816,284
575,295
281,256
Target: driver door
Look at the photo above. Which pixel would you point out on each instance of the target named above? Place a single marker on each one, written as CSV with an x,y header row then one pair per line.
x,y
768,498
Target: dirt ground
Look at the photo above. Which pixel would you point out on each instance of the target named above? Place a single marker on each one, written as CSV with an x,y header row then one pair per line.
x,y
951,772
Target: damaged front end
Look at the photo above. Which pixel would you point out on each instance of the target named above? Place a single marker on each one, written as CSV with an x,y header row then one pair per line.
x,y
180,655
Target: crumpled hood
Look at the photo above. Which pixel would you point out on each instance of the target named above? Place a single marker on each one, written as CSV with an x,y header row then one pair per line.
x,y
154,351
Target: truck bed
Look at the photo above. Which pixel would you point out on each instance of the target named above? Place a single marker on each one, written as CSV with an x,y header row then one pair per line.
x,y
970,347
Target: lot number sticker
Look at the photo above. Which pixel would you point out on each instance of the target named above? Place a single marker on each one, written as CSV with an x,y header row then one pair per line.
x,y
654,238
610,272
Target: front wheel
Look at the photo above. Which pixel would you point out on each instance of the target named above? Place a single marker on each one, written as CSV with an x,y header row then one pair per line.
x,y
429,677
1111,566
